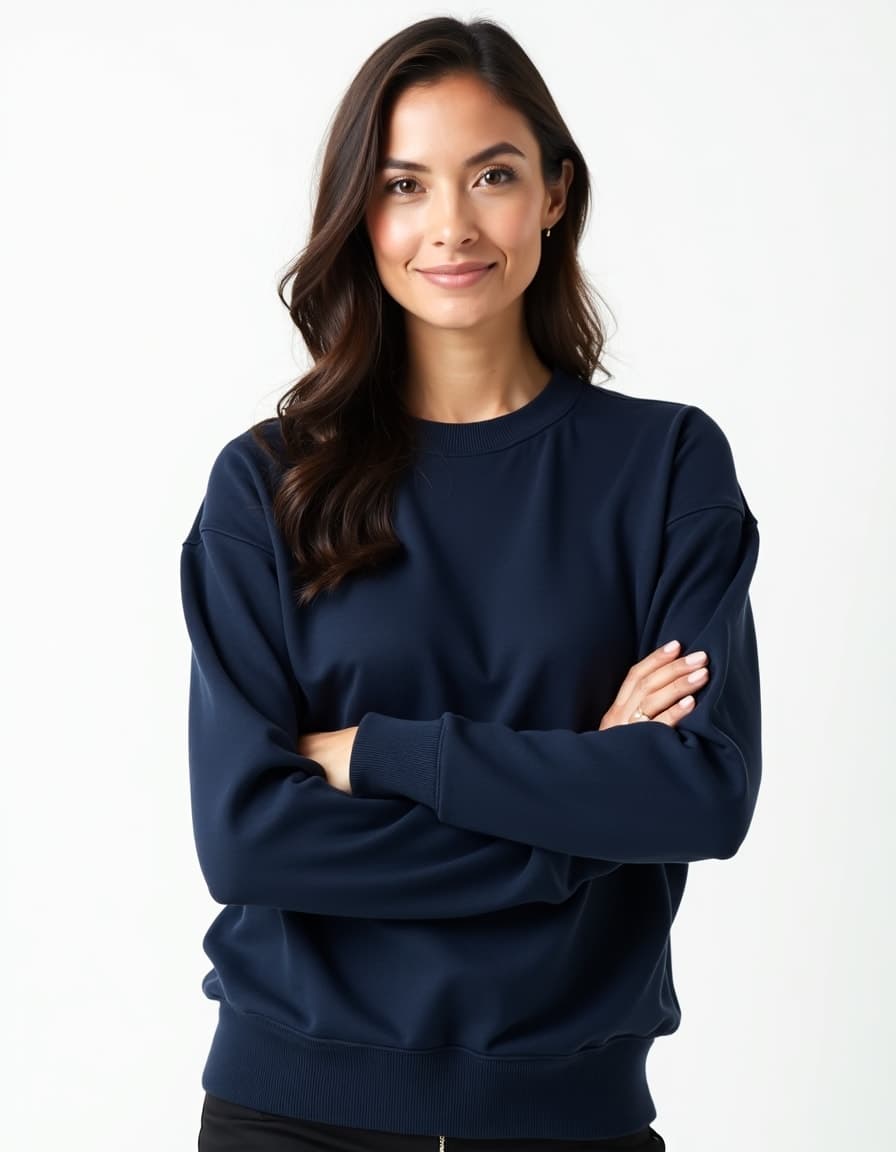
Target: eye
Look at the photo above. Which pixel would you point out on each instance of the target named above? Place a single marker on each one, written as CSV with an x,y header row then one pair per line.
x,y
502,169
393,184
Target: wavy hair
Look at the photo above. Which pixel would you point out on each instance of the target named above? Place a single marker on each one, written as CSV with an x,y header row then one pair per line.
x,y
346,434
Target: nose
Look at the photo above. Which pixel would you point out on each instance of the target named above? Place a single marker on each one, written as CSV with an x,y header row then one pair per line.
x,y
451,219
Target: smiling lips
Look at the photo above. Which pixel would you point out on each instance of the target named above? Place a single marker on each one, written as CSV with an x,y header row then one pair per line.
x,y
456,275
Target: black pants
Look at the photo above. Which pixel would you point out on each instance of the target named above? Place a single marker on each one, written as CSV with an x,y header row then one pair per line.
x,y
227,1127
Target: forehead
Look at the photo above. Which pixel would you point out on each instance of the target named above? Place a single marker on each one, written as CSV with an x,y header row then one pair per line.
x,y
454,114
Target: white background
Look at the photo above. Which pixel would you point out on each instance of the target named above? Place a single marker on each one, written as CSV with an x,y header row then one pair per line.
x,y
159,162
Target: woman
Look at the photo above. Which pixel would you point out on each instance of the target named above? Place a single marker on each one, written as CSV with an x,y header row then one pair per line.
x,y
411,596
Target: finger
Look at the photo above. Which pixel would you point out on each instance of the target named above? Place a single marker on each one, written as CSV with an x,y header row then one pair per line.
x,y
663,677
651,663
669,697
671,716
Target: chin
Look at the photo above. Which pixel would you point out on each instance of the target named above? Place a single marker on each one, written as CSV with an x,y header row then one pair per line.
x,y
454,321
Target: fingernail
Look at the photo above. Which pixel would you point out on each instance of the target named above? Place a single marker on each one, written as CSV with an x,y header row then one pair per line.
x,y
694,658
671,646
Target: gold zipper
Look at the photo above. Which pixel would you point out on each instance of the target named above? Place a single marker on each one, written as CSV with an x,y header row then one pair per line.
x,y
441,1144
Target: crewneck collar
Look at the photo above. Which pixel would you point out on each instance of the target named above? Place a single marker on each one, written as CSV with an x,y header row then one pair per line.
x,y
477,436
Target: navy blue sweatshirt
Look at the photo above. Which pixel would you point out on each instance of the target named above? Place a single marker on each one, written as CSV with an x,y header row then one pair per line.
x,y
476,941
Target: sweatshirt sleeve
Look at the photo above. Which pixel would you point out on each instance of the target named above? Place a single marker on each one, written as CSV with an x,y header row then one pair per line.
x,y
635,793
268,827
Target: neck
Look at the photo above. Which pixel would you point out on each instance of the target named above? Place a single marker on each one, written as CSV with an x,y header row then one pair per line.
x,y
457,375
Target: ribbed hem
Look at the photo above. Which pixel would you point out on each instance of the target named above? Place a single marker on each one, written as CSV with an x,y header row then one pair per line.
x,y
598,1093
394,757
471,437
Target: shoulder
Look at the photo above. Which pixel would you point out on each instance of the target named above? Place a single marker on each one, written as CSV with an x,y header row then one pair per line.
x,y
681,446
666,422
642,423
240,486
623,411
702,469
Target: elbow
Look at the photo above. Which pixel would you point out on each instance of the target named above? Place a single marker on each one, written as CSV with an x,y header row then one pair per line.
x,y
729,844
219,886
241,871
735,825
216,862
220,892
737,769
228,887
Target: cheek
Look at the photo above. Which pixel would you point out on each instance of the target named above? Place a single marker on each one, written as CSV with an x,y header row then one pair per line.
x,y
518,229
389,236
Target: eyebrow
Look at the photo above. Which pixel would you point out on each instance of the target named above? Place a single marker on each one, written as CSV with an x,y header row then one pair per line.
x,y
499,149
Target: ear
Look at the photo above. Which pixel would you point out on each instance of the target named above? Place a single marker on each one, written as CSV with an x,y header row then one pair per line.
x,y
557,193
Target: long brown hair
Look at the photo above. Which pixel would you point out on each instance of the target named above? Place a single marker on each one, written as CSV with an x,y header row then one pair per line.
x,y
347,436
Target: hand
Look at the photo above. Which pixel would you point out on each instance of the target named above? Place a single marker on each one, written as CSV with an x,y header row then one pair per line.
x,y
333,751
659,686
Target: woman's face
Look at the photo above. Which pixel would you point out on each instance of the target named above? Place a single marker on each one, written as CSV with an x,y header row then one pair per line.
x,y
437,202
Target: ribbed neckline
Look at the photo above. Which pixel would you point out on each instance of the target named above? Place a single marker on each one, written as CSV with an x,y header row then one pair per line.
x,y
475,436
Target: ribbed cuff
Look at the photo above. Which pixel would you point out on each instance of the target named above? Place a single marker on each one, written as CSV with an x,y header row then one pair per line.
x,y
393,757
